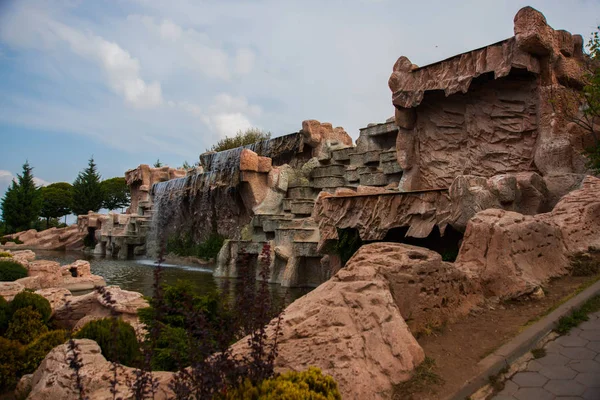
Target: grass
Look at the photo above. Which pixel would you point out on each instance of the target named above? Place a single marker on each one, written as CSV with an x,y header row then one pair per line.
x,y
496,380
538,353
424,378
568,322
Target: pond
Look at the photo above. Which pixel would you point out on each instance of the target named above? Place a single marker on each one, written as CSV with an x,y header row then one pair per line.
x,y
138,274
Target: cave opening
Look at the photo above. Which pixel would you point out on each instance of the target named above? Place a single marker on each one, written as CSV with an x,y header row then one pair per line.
x,y
447,245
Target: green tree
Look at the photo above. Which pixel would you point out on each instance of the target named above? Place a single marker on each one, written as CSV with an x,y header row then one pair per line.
x,y
87,191
158,164
116,193
57,199
22,202
251,135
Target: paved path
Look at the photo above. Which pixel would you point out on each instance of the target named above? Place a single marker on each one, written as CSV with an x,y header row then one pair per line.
x,y
570,369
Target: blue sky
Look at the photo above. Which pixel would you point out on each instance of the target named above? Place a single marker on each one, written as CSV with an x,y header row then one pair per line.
x,y
130,81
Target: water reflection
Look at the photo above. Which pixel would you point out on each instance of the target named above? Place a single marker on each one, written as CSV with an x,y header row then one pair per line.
x,y
138,274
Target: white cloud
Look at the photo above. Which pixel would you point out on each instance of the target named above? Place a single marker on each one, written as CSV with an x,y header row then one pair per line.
x,y
6,176
227,124
30,27
194,50
244,61
40,181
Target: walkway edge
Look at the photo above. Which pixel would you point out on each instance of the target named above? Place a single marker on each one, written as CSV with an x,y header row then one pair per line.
x,y
521,344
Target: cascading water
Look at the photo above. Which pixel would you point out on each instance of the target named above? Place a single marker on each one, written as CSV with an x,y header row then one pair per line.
x,y
204,203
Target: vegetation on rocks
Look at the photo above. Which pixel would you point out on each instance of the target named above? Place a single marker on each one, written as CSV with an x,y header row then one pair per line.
x,y
185,246
25,337
249,136
11,270
124,350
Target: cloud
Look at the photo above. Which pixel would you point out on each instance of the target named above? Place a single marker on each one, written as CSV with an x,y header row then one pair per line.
x,y
6,176
244,61
40,181
29,27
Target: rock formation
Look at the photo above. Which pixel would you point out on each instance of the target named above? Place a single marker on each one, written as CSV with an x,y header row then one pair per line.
x,y
69,238
54,377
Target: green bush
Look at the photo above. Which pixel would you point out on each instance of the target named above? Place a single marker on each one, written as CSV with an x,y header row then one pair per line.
x,y
4,315
185,246
36,351
25,325
6,240
115,337
251,135
11,353
5,254
310,384
171,350
28,299
11,271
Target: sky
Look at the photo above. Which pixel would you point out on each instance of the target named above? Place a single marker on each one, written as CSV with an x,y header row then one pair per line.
x,y
132,81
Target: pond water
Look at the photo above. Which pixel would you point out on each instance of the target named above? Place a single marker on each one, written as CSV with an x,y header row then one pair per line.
x,y
138,274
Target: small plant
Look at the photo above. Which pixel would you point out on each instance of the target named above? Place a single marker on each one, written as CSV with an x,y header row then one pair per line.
x,y
25,325
566,323
10,363
5,254
424,378
310,384
37,350
538,353
28,299
11,271
125,350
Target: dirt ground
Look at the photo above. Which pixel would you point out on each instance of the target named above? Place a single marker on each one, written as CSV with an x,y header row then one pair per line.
x,y
459,346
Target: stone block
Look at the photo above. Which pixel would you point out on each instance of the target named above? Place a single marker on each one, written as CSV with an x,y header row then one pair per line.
x,y
248,160
264,164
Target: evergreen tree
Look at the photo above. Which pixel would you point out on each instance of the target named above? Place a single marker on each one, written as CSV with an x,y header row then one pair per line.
x,y
57,200
116,193
87,191
22,202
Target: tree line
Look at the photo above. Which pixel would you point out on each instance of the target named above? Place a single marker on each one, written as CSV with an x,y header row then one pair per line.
x,y
25,205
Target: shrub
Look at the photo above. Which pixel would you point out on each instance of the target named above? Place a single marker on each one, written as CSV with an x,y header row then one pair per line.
x,y
28,299
10,356
310,384
115,337
5,254
4,315
36,351
26,325
11,271
171,350
251,135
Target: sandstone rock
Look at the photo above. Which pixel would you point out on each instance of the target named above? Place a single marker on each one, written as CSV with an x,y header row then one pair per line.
x,y
532,32
87,282
54,378
8,290
93,304
77,269
561,184
351,328
57,297
512,254
47,274
50,239
264,164
25,255
428,291
578,216
377,211
248,160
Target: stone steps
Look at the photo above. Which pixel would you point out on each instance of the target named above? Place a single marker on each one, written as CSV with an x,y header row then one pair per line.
x,y
290,235
342,155
373,178
328,170
302,207
328,181
301,192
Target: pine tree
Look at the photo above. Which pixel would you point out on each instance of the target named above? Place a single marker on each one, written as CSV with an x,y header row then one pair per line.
x,y
87,191
22,202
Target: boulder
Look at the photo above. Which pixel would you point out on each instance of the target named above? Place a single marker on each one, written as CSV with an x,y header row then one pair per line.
x,y
427,290
23,256
57,297
54,378
93,304
77,269
512,254
351,328
43,274
8,290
